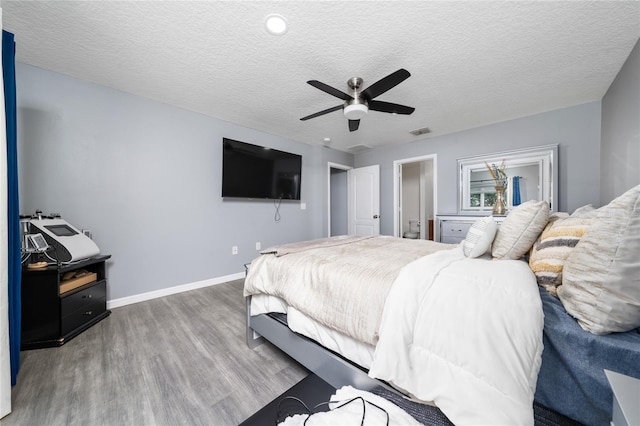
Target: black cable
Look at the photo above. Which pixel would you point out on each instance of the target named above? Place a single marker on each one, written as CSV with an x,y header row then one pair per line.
x,y
277,206
364,408
25,258
310,412
279,413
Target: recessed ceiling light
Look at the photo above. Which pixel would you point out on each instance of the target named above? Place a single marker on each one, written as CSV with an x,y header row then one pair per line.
x,y
276,24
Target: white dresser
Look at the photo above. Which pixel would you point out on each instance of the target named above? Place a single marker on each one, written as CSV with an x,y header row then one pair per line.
x,y
453,228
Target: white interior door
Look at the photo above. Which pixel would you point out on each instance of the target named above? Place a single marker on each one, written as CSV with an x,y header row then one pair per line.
x,y
400,212
364,200
423,216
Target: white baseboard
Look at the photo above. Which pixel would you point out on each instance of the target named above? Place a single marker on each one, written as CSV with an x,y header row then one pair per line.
x,y
129,300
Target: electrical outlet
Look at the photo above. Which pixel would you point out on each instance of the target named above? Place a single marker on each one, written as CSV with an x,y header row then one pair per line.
x,y
234,250
258,245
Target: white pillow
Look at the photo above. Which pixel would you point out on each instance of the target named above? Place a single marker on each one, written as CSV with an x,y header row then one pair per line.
x,y
601,277
479,237
520,230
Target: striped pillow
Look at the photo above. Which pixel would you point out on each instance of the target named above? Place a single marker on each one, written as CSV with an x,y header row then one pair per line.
x,y
550,251
479,237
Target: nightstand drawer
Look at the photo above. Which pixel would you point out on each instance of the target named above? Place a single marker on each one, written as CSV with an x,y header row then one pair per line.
x,y
75,301
83,315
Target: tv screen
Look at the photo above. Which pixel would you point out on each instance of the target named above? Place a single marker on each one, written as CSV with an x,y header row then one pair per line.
x,y
252,171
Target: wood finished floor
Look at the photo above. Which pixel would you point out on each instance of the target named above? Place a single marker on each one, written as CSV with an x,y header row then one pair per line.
x,y
177,360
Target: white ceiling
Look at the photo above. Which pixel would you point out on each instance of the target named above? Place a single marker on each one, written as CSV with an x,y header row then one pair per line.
x,y
472,63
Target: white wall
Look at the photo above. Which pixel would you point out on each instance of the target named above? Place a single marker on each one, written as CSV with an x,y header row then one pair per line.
x,y
620,150
575,129
145,178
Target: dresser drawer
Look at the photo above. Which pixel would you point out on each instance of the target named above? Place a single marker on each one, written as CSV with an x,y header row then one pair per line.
x,y
82,298
455,229
83,315
451,240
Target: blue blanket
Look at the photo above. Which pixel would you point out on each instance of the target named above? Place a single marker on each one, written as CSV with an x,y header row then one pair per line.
x,y
572,380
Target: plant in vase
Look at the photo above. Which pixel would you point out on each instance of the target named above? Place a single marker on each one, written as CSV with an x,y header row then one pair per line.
x,y
500,180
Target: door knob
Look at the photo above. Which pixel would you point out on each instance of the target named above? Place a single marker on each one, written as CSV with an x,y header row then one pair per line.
x,y
375,216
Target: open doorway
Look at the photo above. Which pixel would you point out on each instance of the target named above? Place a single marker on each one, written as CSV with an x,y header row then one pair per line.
x,y
415,197
338,218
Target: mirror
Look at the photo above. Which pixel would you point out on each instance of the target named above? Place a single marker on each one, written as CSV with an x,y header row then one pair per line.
x,y
530,173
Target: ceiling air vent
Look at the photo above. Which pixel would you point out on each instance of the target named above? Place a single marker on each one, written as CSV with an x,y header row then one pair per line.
x,y
422,131
358,148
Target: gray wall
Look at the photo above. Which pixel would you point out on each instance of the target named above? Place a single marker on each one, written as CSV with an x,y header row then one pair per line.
x,y
620,149
575,129
145,178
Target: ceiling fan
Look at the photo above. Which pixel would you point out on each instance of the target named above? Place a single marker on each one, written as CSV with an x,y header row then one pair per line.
x,y
358,102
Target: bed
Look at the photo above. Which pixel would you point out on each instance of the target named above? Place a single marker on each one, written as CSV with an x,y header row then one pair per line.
x,y
462,332
495,377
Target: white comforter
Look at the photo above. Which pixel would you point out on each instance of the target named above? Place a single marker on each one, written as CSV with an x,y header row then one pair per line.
x,y
465,334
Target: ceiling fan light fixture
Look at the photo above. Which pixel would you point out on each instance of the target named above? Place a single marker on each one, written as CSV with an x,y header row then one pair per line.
x,y
357,102
276,24
355,111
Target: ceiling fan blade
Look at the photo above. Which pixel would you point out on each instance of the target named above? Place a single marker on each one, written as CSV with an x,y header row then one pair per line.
x,y
326,111
353,125
388,82
390,107
330,90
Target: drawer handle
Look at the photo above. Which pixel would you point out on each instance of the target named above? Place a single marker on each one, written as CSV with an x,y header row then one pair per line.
x,y
87,296
457,230
88,313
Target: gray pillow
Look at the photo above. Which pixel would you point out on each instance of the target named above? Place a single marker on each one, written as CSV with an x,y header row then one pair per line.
x,y
520,230
601,277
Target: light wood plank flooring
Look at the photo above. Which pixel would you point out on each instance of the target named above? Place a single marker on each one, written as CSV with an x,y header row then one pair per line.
x,y
178,360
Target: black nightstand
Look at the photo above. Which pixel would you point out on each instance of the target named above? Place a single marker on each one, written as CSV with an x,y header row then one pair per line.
x,y
52,316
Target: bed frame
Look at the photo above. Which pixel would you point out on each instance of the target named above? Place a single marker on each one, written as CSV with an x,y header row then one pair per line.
x,y
329,366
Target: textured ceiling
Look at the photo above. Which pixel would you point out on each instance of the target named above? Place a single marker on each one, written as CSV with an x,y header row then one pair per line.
x,y
472,63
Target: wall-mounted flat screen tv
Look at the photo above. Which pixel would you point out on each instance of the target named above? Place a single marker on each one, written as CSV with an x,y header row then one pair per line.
x,y
252,171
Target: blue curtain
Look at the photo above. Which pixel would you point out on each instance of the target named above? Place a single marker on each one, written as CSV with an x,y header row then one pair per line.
x,y
15,303
516,191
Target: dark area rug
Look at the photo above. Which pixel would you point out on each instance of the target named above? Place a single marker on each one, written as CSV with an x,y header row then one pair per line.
x,y
432,416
